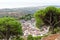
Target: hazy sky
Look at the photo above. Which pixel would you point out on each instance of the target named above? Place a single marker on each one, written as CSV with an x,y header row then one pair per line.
x,y
27,3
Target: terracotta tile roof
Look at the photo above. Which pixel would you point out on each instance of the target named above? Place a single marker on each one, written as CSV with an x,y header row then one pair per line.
x,y
51,37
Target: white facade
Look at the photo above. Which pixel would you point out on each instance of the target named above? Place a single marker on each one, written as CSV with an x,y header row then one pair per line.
x,y
29,28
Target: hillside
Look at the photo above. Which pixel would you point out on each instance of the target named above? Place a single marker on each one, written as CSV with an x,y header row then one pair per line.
x,y
18,11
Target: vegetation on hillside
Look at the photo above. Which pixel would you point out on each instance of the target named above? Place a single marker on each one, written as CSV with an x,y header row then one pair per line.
x,y
30,37
27,17
10,27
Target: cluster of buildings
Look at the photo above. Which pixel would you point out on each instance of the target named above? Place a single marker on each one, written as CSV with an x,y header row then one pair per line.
x,y
29,28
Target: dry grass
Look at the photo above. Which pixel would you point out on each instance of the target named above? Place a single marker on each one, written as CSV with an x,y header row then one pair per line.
x,y
51,37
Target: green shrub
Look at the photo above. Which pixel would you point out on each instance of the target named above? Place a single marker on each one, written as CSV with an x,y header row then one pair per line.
x,y
37,37
17,38
30,37
57,30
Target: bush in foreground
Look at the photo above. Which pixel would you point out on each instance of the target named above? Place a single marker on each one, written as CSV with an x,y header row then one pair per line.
x,y
9,27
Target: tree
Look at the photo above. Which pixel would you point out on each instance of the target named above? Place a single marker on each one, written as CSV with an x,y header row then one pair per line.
x,y
30,37
27,17
10,27
48,16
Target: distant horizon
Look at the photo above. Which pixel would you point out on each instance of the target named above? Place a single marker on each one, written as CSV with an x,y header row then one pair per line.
x,y
30,6
26,3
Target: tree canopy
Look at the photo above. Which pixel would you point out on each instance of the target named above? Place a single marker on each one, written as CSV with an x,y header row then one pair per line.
x,y
10,27
48,16
27,17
